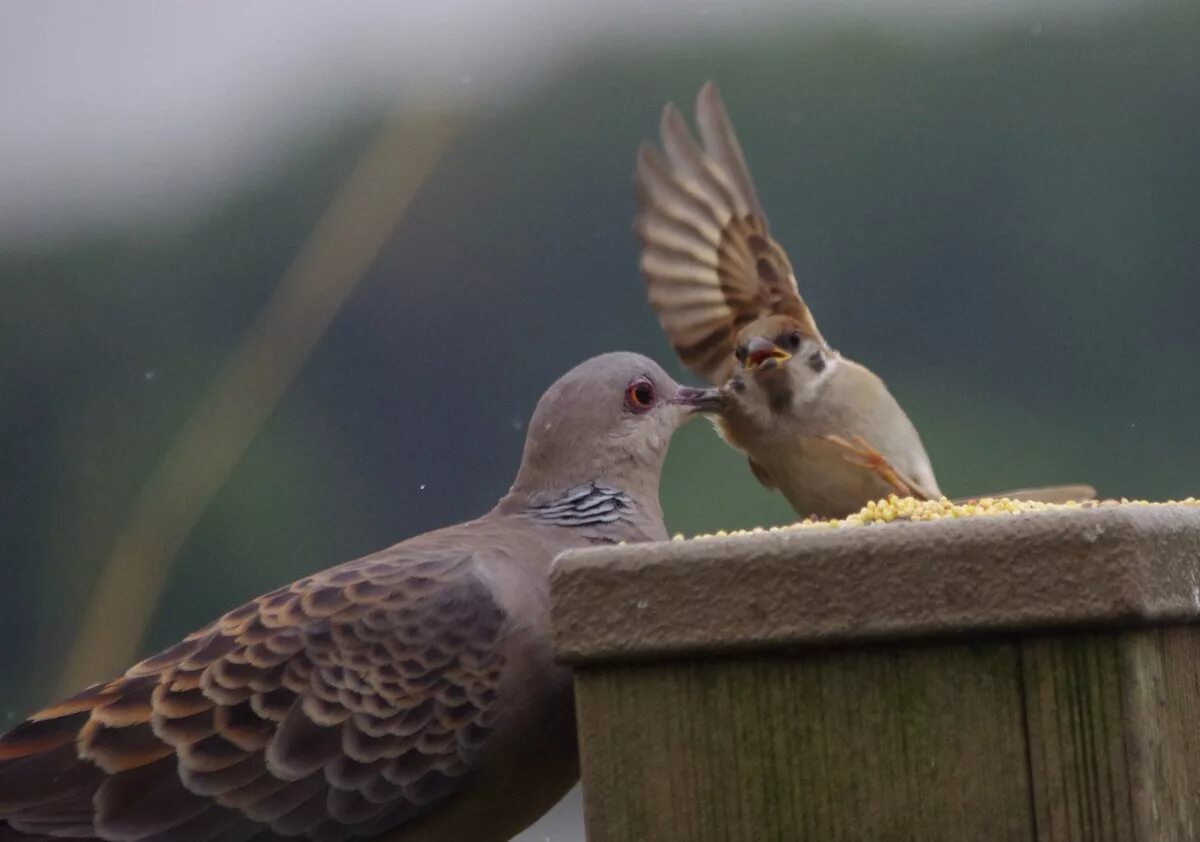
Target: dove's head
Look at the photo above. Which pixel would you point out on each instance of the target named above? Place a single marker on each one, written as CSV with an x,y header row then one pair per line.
x,y
779,364
608,420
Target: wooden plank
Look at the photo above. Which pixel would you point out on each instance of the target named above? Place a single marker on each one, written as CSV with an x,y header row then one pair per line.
x,y
1161,677
1114,734
921,743
1075,722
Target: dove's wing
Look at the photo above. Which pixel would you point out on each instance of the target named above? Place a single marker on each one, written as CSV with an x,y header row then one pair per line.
x,y
709,262
345,704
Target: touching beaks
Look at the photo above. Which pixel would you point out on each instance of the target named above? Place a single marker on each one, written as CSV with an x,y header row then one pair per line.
x,y
763,354
699,400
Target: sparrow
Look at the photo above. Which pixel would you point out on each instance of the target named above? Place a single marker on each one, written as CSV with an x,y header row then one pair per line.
x,y
410,694
816,426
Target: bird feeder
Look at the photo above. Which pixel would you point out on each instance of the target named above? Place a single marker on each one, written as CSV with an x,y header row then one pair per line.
x,y
1030,676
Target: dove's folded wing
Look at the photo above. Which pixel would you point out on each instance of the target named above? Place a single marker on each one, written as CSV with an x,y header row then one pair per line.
x,y
345,704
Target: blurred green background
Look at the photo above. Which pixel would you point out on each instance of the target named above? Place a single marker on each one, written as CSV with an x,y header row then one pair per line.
x,y
1000,216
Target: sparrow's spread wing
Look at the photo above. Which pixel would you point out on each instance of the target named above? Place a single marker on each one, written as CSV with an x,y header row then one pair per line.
x,y
710,265
345,704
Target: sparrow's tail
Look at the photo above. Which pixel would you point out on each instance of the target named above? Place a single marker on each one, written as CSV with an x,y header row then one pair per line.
x,y
1046,494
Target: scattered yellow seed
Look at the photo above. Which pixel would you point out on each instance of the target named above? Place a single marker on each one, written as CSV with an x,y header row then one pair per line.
x,y
909,508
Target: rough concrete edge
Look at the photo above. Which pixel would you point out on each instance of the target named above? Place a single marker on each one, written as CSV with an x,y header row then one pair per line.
x,y
1068,568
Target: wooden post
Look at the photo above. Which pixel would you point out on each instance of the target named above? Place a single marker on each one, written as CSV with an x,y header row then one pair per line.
x,y
1022,677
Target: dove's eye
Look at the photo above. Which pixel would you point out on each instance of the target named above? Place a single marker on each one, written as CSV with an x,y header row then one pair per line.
x,y
740,354
639,395
793,339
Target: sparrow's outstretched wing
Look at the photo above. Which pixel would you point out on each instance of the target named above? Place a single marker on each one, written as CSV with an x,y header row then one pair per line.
x,y
710,265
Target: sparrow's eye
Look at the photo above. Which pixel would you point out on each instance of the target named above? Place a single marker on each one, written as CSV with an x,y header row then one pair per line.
x,y
793,339
639,395
740,353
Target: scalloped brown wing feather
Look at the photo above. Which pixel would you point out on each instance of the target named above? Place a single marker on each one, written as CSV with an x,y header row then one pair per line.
x,y
347,703
710,264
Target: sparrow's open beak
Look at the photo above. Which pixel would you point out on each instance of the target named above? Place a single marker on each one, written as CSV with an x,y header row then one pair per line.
x,y
763,354
699,400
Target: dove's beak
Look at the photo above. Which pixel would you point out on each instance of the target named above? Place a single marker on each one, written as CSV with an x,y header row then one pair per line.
x,y
699,400
762,354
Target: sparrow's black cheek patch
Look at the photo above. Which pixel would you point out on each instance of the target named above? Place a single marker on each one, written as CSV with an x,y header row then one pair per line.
x,y
781,401
817,363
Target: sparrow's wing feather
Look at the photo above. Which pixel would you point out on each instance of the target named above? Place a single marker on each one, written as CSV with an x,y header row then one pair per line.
x,y
710,265
345,704
857,451
721,143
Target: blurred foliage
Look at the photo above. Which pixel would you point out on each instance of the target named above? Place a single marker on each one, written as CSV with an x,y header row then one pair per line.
x,y
1003,224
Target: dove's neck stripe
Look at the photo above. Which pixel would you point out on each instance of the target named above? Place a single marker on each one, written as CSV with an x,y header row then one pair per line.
x,y
585,505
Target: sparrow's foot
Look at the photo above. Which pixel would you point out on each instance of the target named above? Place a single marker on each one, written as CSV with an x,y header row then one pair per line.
x,y
860,452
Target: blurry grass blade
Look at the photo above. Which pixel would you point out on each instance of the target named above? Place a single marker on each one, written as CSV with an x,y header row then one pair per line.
x,y
330,263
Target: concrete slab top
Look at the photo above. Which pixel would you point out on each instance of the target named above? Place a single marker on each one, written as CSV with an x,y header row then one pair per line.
x,y
1118,565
